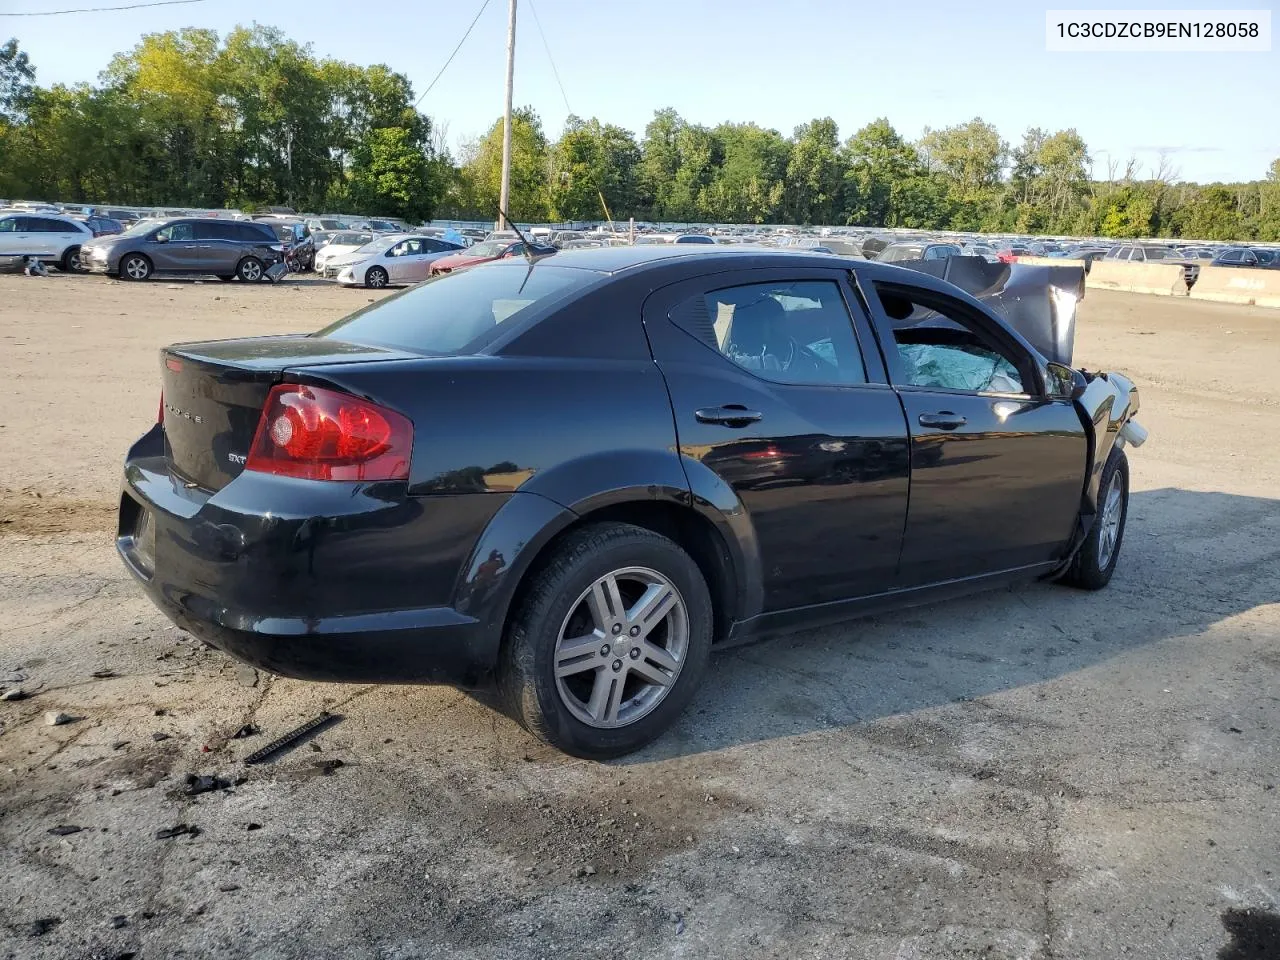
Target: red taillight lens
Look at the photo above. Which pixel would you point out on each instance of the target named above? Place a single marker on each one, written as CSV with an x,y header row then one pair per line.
x,y
320,434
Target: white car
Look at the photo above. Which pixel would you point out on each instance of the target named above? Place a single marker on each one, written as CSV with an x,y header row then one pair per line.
x,y
340,247
53,239
396,259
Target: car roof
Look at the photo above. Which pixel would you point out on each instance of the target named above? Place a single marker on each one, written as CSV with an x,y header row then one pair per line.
x,y
615,260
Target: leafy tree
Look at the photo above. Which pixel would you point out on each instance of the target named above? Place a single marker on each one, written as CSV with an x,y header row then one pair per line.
x,y
877,158
17,77
589,161
480,179
748,185
815,174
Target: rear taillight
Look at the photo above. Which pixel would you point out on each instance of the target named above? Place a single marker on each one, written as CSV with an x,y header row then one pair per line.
x,y
160,415
320,434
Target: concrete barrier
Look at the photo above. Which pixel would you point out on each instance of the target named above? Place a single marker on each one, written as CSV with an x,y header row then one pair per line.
x,y
1166,279
1248,285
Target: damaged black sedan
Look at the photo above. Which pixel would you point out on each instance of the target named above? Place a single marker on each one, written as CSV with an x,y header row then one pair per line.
x,y
571,479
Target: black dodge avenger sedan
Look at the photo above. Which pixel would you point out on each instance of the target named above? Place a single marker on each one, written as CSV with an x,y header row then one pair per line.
x,y
571,479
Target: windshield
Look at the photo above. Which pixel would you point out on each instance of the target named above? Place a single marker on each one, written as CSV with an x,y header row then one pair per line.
x,y
489,248
378,245
455,313
351,239
142,226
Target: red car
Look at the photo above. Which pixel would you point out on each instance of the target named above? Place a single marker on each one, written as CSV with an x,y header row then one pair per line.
x,y
484,252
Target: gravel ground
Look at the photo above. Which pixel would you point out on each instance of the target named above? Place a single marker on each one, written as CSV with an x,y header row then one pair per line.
x,y
1036,773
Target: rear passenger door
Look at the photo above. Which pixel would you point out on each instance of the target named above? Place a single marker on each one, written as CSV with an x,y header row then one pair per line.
x,y
781,404
997,467
219,249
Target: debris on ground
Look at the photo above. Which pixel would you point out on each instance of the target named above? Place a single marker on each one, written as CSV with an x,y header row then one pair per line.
x,y
293,737
12,694
246,676
228,887
39,928
104,674
64,830
197,784
119,921
253,826
157,737
326,767
179,830
56,718
248,730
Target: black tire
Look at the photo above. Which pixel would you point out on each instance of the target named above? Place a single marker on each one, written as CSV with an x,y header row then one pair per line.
x,y
376,278
1088,571
527,688
226,276
70,262
134,266
250,270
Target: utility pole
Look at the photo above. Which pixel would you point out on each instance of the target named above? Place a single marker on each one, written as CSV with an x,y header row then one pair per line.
x,y
505,202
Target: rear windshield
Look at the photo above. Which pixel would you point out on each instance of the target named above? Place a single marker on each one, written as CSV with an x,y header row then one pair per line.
x,y
459,312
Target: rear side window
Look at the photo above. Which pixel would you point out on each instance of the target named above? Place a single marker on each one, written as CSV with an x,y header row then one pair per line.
x,y
789,332
459,313
248,233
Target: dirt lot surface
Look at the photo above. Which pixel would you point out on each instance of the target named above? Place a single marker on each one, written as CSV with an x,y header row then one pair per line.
x,y
1037,773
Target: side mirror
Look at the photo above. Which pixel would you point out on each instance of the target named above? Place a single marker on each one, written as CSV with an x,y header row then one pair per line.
x,y
1063,382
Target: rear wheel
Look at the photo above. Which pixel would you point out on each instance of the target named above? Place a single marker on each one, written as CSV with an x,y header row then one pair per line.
x,y
608,643
135,266
250,270
1095,561
376,278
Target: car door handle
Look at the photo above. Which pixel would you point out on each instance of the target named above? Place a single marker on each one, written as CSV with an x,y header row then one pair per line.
x,y
729,415
945,420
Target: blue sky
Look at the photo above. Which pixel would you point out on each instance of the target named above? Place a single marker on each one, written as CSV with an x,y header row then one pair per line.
x,y
776,62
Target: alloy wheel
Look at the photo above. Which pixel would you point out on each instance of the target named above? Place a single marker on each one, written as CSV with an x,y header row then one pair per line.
x,y
376,279
1109,523
137,268
251,271
621,647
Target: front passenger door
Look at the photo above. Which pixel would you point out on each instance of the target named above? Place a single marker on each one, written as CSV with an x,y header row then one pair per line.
x,y
997,467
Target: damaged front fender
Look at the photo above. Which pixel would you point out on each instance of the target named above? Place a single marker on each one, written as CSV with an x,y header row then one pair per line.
x,y
1107,408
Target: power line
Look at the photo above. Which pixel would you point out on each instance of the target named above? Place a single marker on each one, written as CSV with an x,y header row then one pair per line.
x,y
131,6
452,55
547,47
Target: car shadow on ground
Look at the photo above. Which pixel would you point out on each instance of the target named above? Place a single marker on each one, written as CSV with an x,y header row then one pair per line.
x,y
1189,560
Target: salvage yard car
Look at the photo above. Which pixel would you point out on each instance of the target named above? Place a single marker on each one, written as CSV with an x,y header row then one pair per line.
x,y
226,249
573,477
47,237
392,260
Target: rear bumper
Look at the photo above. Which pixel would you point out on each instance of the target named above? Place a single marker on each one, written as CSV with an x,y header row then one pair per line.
x,y
330,582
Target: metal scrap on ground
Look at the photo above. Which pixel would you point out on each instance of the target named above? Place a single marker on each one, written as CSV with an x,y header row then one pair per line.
x,y
292,737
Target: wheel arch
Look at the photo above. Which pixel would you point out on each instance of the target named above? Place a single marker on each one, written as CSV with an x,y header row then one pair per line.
x,y
523,534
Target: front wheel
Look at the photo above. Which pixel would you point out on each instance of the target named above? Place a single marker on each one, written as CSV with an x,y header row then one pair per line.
x,y
70,262
1095,561
135,267
609,642
376,278
250,270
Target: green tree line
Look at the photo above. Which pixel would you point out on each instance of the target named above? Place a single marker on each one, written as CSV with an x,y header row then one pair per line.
x,y
189,118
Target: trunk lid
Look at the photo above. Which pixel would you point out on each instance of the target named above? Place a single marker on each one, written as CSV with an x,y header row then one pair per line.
x,y
214,394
